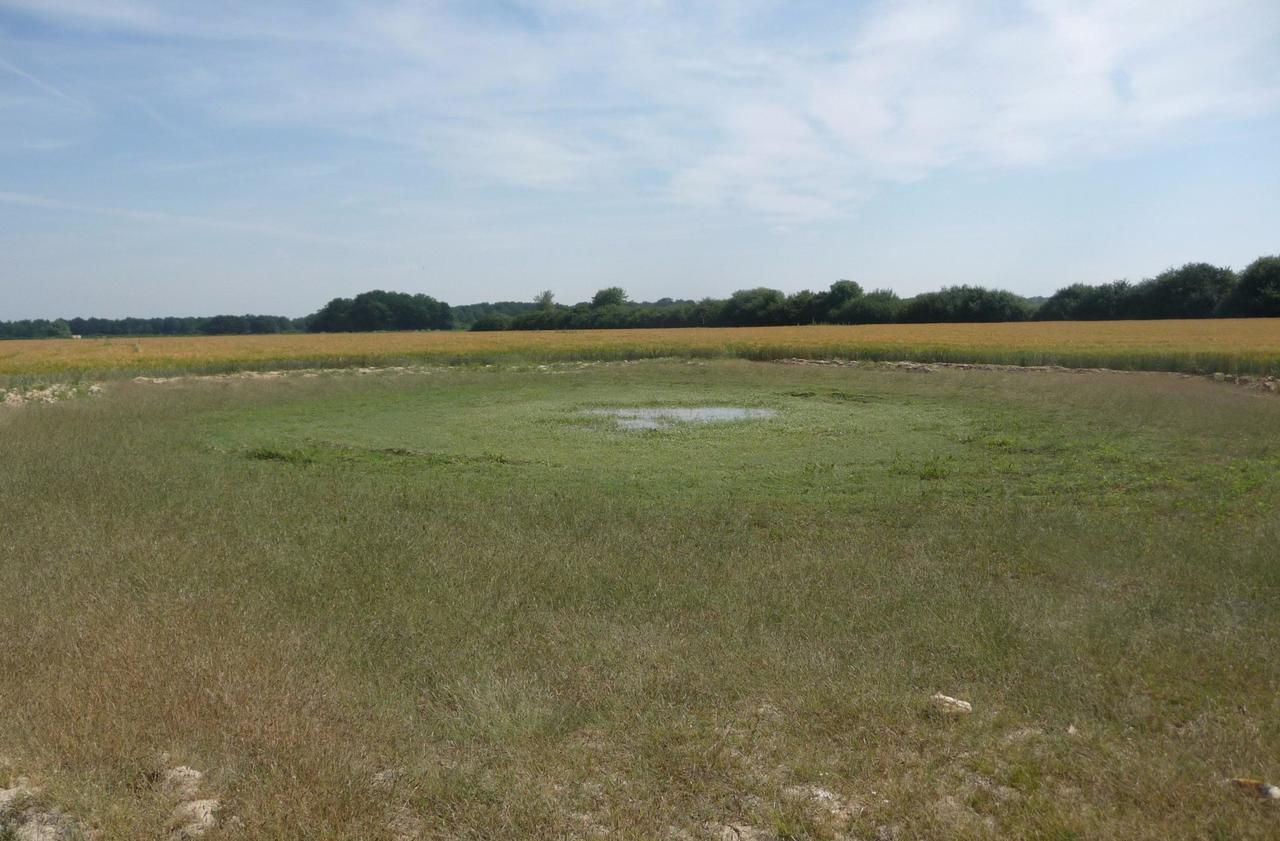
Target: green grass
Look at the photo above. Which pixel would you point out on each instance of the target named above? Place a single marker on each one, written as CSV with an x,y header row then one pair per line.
x,y
550,628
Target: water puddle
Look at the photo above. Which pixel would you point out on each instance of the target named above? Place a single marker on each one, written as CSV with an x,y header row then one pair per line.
x,y
666,418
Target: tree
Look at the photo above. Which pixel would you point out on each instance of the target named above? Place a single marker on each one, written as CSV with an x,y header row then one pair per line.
x,y
841,293
1082,302
755,307
545,300
613,296
371,311
1257,292
491,322
842,300
379,310
225,325
1192,291
880,306
804,307
965,304
467,314
333,317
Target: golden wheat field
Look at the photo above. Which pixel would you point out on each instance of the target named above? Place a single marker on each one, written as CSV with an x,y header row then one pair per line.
x,y
1240,346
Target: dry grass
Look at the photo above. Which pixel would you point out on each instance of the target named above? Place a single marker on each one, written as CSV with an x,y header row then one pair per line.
x,y
1237,346
451,606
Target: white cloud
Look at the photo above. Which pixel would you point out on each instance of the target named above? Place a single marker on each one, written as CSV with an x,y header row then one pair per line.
x,y
698,99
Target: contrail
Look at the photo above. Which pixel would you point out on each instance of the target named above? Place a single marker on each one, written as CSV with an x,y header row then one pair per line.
x,y
45,203
41,84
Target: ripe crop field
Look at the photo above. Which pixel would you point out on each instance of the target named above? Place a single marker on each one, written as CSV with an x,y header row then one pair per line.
x,y
1233,346
475,603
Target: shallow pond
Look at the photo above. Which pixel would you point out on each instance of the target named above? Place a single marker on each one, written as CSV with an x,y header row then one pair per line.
x,y
664,418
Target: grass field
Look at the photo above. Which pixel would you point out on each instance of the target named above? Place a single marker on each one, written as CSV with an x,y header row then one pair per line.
x,y
1231,346
459,604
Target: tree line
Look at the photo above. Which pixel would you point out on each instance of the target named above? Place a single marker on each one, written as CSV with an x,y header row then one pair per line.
x,y
366,312
1195,290
216,325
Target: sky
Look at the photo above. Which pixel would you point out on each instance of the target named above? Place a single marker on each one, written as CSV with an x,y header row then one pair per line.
x,y
176,157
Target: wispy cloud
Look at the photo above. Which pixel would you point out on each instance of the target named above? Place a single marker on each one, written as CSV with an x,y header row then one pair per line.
x,y
164,218
787,110
922,87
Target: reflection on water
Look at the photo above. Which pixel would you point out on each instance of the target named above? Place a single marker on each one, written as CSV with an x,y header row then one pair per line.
x,y
666,418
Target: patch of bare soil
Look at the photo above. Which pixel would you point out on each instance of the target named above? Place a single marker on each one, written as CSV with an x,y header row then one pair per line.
x,y
312,373
1269,385
17,397
193,814
25,817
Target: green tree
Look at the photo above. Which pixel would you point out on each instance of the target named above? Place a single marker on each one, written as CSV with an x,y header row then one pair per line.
x,y
1194,290
379,310
1257,292
613,296
965,304
491,322
1081,302
840,301
880,306
755,307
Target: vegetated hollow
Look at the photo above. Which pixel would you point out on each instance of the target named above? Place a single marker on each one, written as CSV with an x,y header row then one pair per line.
x,y
666,417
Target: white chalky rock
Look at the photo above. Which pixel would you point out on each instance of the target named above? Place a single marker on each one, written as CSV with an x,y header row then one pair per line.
x,y
194,818
951,706
183,781
45,826
740,832
12,799
824,799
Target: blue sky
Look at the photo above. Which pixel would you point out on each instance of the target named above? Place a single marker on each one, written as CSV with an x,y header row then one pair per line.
x,y
189,158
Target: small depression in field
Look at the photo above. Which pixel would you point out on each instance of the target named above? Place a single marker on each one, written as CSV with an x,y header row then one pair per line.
x,y
657,418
